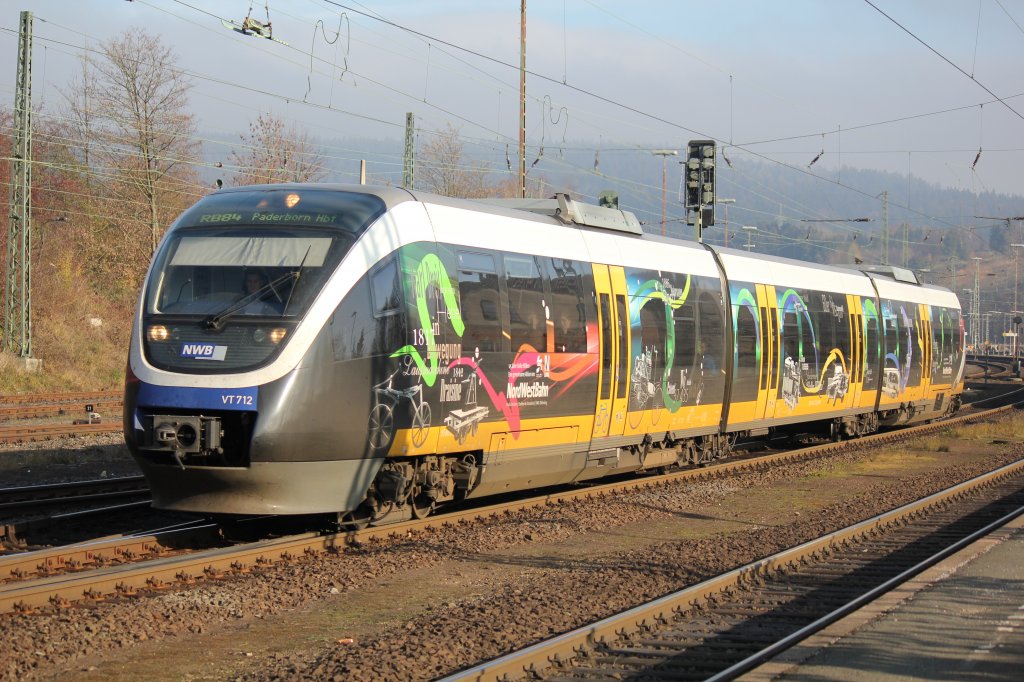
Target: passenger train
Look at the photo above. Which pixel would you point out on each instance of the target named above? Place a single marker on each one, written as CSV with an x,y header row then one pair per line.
x,y
402,350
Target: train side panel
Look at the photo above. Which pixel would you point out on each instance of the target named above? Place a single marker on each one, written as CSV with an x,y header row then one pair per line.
x,y
919,346
494,350
796,350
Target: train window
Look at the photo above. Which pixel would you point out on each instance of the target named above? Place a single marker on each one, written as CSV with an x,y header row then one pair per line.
x,y
891,332
773,320
567,305
857,359
712,340
650,365
939,343
790,337
764,348
951,346
527,309
789,356
916,355
744,385
606,348
622,371
893,348
956,341
835,334
479,262
358,331
684,319
841,323
817,342
387,289
871,353
478,293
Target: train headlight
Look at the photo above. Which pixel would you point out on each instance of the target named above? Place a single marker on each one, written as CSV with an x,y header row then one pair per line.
x,y
157,332
277,335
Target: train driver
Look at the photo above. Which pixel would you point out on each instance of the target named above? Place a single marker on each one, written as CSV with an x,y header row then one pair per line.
x,y
256,291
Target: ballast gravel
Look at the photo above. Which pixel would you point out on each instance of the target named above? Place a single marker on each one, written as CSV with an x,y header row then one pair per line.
x,y
550,591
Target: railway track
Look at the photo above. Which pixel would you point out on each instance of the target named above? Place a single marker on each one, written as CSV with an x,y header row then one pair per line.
x,y
728,625
39,432
109,406
24,498
36,581
991,367
103,415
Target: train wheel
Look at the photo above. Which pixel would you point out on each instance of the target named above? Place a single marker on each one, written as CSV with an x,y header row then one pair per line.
x,y
381,427
357,519
421,505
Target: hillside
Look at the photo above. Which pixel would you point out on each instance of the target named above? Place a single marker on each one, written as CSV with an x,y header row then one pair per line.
x,y
82,338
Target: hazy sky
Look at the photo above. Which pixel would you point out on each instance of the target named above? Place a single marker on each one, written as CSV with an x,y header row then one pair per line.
x,y
832,75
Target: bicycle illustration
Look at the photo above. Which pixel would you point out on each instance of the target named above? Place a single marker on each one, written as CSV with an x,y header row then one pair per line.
x,y
681,392
642,388
381,425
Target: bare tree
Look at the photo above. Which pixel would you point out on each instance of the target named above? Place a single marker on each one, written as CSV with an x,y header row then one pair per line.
x,y
440,168
536,187
79,116
273,152
131,108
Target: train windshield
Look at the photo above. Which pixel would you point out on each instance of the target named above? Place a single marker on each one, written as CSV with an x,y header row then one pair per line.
x,y
259,253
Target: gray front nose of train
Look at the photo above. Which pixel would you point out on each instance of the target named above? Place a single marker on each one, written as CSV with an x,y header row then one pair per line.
x,y
256,460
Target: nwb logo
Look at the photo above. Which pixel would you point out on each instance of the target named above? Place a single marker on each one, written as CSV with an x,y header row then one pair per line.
x,y
203,351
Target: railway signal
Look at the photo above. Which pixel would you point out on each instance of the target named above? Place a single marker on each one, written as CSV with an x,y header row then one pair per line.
x,y
700,184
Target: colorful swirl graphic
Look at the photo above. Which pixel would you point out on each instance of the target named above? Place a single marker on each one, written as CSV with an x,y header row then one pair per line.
x,y
566,370
654,289
431,272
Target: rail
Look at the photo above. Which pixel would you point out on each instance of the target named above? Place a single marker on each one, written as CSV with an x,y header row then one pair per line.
x,y
599,649
75,492
31,593
38,432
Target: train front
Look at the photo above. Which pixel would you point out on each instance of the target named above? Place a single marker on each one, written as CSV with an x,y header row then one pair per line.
x,y
232,312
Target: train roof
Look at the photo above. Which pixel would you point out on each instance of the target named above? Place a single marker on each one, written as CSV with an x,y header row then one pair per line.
x,y
563,211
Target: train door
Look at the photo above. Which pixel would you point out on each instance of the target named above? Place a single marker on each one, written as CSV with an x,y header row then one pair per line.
x,y
924,316
766,363
613,365
856,322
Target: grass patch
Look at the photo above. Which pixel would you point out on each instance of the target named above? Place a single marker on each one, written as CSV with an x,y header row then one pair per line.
x,y
936,443
1010,427
81,339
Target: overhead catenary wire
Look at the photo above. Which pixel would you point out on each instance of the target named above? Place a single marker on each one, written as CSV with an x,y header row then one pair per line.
x,y
395,124
761,156
946,59
781,237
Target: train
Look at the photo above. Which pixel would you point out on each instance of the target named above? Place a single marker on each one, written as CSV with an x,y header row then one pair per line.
x,y
398,350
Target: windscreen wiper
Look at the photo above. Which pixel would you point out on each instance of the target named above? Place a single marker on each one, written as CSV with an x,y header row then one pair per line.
x,y
297,273
216,322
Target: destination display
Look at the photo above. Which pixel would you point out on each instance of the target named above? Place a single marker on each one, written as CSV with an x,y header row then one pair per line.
x,y
315,208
